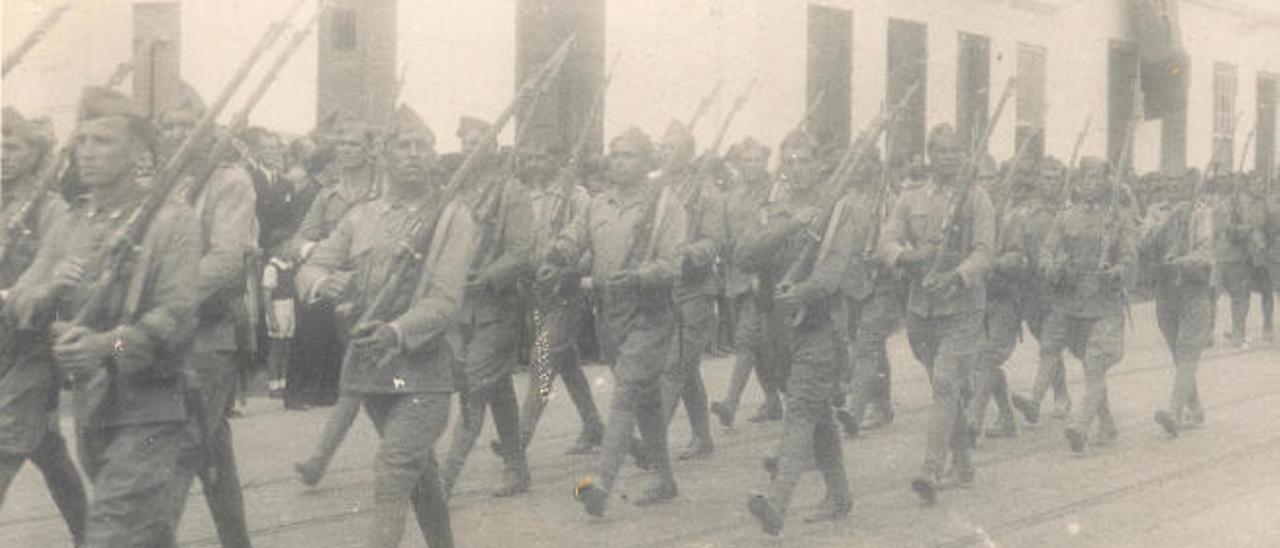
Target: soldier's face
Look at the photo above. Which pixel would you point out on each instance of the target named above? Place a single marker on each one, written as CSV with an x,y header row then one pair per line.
x,y
471,140
945,159
19,158
536,165
175,127
106,152
798,166
675,152
753,164
270,151
411,156
628,163
350,146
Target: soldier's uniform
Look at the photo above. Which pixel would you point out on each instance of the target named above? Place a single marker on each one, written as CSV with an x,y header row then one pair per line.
x,y
819,359
408,398
29,386
1179,241
638,314
871,299
1087,317
944,328
491,325
694,293
559,307
1238,240
134,426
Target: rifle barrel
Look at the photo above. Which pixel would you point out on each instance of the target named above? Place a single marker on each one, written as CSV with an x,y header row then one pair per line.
x,y
14,58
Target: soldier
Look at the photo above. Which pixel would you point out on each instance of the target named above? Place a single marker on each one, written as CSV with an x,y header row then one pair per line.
x,y
633,231
353,144
29,427
1179,241
407,386
696,287
558,301
224,207
1088,257
947,296
348,180
871,299
815,307
490,318
1009,283
763,334
134,437
1238,238
1260,254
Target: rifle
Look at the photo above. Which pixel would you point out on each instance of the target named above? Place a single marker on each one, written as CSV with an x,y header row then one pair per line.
x,y
693,201
105,308
1007,181
816,244
404,271
122,71
14,58
1117,184
949,233
1064,191
704,105
1248,144
568,172
229,139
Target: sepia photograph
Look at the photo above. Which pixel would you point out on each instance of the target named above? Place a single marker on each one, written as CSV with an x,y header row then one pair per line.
x,y
639,273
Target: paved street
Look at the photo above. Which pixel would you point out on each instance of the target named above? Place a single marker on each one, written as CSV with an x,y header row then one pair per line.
x,y
1215,486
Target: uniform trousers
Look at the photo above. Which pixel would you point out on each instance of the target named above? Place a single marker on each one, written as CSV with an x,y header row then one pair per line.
x,y
561,322
1099,344
947,346
60,475
491,350
871,322
762,340
682,381
405,469
215,383
1183,311
1003,326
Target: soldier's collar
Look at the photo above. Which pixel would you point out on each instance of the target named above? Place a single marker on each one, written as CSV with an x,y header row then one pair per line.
x,y
114,203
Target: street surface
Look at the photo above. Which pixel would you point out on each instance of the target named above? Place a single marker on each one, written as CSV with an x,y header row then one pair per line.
x,y
1215,486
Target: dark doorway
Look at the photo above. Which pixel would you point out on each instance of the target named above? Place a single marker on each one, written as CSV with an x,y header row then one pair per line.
x,y
830,76
908,56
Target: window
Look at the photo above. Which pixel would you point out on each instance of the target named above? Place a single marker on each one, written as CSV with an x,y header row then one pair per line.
x,y
1122,82
908,56
1224,114
344,30
568,103
1031,99
1265,157
830,73
973,88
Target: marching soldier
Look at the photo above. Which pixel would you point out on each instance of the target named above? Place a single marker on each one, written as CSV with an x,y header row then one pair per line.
x,y
633,231
1088,257
224,207
871,299
558,302
1238,239
29,428
134,437
1179,239
407,386
815,309
490,318
947,297
696,287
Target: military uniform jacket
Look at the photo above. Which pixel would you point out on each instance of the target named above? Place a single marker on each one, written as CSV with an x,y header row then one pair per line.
x,y
161,306
863,213
916,220
508,257
1071,256
770,246
743,207
1183,230
704,234
330,205
228,228
364,242
26,364
543,202
1238,221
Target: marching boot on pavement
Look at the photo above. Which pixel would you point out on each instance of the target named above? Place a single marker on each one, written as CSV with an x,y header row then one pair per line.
x,y
761,334
1088,257
810,293
490,323
29,387
633,231
558,302
134,437
399,363
1181,237
695,288
947,296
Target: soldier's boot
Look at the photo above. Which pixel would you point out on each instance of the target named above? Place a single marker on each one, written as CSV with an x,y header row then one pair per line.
x,y
661,489
1167,421
833,508
725,412
1004,427
926,486
515,476
640,453
1075,438
449,476
879,417
588,440
700,447
849,421
771,410
765,512
1030,409
1061,396
652,423
829,457
770,465
591,496
496,445
579,389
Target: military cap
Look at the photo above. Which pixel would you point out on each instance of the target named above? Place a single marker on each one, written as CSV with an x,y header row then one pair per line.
x,y
469,124
345,120
1094,163
1051,164
409,122
189,100
750,144
99,102
799,138
943,134
634,136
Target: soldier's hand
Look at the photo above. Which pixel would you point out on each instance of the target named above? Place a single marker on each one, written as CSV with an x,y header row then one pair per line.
x,y
69,274
546,275
942,284
377,337
332,287
788,296
918,256
80,349
621,279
